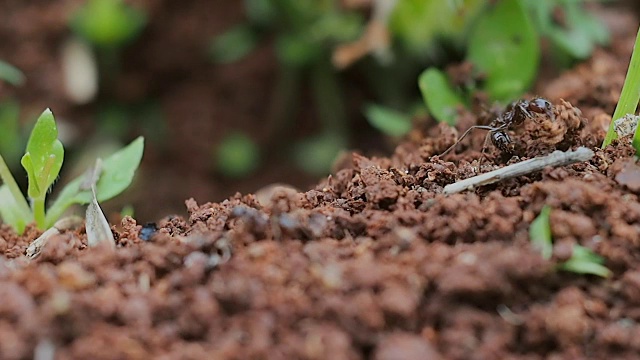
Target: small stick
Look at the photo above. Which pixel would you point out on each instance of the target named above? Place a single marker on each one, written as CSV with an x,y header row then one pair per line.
x,y
556,158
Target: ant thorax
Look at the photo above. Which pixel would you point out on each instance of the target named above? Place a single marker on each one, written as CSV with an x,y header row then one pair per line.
x,y
514,115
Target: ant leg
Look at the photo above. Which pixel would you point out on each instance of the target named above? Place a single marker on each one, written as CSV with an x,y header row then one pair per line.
x,y
481,127
484,147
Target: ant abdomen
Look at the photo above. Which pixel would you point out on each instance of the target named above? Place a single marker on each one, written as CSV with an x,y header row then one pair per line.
x,y
514,115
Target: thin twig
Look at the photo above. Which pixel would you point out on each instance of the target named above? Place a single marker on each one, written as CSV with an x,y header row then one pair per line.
x,y
556,158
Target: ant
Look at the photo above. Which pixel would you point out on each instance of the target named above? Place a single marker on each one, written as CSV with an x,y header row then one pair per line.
x,y
514,115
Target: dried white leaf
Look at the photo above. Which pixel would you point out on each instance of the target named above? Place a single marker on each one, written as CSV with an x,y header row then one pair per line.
x,y
98,229
36,245
96,223
63,224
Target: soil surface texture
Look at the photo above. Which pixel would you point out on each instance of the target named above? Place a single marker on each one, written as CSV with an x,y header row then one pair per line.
x,y
372,263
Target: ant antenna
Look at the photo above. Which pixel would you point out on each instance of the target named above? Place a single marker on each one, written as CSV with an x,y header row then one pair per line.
x,y
481,127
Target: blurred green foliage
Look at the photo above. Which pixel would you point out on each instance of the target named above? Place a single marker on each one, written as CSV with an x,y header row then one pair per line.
x,y
420,25
11,74
503,47
305,33
582,261
237,155
439,96
108,23
499,38
11,139
388,120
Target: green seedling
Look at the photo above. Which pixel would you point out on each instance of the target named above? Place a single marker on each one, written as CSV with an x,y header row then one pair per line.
x,y
629,97
11,74
42,161
582,261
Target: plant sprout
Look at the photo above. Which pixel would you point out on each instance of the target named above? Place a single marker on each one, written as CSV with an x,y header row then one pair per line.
x,y
629,97
582,260
42,161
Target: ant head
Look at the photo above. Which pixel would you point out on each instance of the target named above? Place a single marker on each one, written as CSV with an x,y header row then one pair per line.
x,y
540,105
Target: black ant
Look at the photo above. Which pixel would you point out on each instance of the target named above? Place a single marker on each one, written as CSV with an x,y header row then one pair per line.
x,y
514,115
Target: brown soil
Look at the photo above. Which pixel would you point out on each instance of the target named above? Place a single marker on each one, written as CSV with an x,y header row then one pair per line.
x,y
374,262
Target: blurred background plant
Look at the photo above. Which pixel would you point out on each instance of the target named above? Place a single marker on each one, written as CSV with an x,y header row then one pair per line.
x,y
92,62
494,47
304,34
232,96
12,136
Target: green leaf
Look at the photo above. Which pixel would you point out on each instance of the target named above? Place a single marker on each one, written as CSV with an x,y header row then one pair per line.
x,y
117,174
11,74
387,120
11,213
585,261
108,22
43,157
630,95
234,44
13,206
540,233
636,141
504,46
237,155
419,23
441,99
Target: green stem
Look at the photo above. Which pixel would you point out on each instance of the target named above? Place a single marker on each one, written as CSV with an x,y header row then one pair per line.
x,y
38,213
630,95
11,183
